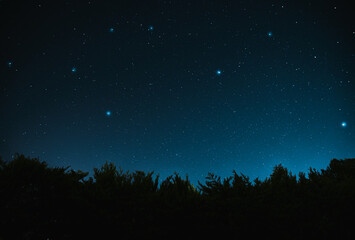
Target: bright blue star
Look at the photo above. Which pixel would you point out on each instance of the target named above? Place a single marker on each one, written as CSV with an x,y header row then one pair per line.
x,y
112,30
9,64
150,28
218,72
108,113
269,34
73,69
343,124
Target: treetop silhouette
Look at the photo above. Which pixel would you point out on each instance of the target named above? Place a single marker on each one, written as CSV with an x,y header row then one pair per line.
x,y
58,202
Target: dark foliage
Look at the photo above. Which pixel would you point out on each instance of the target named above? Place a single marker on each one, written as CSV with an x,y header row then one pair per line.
x,y
40,202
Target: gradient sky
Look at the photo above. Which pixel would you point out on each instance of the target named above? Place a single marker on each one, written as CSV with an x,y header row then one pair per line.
x,y
186,86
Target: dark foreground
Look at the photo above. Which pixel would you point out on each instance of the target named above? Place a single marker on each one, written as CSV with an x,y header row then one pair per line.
x,y
39,202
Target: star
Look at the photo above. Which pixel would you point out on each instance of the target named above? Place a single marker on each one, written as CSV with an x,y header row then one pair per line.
x,y
73,69
343,124
269,34
9,64
150,28
112,30
218,72
108,113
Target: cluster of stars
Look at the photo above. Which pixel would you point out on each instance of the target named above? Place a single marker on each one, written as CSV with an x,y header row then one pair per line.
x,y
188,77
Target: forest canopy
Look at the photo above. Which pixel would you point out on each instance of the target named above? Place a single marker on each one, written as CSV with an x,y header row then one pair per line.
x,y
60,203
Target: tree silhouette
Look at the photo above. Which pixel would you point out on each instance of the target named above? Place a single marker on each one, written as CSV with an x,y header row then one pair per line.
x,y
57,202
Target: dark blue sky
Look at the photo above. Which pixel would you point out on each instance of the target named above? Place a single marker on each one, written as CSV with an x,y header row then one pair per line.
x,y
191,86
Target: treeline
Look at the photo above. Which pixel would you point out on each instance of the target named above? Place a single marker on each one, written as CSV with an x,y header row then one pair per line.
x,y
40,202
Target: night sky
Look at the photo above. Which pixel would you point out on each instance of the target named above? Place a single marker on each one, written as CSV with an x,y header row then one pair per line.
x,y
178,86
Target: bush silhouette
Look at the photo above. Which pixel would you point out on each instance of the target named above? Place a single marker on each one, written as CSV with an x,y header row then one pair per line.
x,y
59,203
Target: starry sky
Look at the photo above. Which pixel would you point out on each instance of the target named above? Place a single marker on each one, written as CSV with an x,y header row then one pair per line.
x,y
178,86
